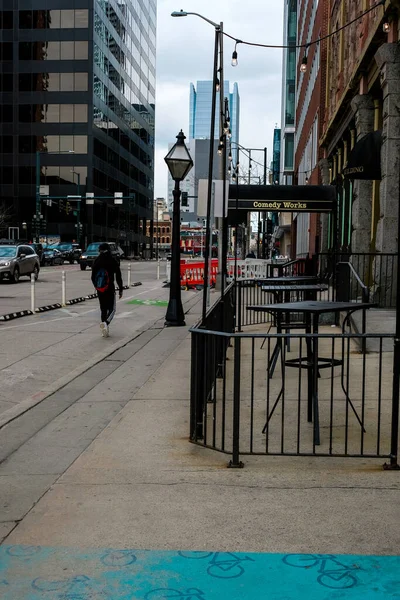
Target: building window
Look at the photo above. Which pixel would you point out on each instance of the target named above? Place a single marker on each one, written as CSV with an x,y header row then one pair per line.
x,y
6,19
54,19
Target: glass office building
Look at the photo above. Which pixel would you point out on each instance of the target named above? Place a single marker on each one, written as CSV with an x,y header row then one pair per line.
x,y
200,112
288,92
77,85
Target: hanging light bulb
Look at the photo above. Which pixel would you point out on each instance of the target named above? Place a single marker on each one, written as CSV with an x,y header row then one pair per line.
x,y
386,27
217,85
306,178
303,66
234,59
220,149
228,119
229,134
250,165
230,156
226,127
234,176
229,169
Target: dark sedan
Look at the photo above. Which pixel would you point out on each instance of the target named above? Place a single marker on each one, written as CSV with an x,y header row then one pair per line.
x,y
52,256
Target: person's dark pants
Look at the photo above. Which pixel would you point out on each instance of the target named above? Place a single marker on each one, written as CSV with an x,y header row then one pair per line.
x,y
107,305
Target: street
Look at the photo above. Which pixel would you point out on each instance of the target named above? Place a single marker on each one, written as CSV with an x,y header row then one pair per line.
x,y
15,297
37,351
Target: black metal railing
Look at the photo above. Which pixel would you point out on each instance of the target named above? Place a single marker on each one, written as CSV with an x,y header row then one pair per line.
x,y
349,414
209,355
375,271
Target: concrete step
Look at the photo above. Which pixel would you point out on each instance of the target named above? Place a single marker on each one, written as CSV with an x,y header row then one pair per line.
x,y
379,320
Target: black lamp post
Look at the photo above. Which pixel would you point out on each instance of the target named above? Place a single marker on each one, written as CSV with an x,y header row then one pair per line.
x,y
179,163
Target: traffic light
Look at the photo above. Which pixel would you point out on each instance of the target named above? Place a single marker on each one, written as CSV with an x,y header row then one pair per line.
x,y
68,208
61,206
185,201
269,226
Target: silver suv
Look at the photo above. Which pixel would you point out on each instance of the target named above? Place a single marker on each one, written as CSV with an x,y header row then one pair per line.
x,y
17,260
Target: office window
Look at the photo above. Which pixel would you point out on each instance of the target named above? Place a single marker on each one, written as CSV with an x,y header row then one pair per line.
x,y
6,144
81,18
52,114
66,113
53,82
6,82
6,19
6,174
81,82
81,50
80,113
6,113
67,51
67,82
6,51
27,144
67,19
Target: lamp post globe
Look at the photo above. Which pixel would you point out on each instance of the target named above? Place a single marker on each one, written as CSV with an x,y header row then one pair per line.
x,y
179,163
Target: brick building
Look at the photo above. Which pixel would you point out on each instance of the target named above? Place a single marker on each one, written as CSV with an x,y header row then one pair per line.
x,y
363,96
310,113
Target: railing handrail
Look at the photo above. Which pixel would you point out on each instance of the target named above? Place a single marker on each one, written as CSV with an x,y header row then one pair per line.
x,y
358,278
339,336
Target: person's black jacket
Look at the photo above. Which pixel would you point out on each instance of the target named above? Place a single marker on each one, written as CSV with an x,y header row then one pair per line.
x,y
106,261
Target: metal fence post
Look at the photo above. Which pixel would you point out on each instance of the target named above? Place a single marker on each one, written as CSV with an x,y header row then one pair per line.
x,y
239,304
158,269
33,280
235,462
129,274
63,289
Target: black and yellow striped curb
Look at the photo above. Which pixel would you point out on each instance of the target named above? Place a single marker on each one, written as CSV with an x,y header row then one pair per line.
x,y
26,313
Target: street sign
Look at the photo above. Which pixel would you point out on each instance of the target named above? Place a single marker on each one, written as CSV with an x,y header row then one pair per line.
x,y
44,190
283,205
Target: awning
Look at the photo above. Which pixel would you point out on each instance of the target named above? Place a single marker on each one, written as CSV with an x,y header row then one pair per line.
x,y
365,158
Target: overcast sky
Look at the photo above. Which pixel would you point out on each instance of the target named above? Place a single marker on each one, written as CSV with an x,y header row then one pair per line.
x,y
185,54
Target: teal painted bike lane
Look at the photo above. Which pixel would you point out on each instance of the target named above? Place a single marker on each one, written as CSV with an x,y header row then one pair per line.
x,y
38,573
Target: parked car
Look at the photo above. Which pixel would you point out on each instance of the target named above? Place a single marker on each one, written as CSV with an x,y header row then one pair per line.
x,y
88,257
52,256
120,252
71,252
17,260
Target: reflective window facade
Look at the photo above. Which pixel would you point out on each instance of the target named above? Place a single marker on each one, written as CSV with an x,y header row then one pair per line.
x,y
77,84
200,112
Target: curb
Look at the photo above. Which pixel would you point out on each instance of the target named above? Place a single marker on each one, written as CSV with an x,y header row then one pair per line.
x,y
75,301
16,315
49,307
26,313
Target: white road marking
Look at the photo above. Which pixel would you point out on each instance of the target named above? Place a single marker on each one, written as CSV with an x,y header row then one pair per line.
x,y
75,315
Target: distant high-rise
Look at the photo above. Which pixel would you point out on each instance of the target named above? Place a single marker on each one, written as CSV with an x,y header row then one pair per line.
x,y
199,133
200,112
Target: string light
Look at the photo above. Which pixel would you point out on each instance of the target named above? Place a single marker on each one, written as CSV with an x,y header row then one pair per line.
x,y
386,27
313,42
217,85
303,66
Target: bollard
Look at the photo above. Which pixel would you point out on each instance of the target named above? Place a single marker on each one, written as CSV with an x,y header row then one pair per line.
x,y
63,289
33,281
129,275
158,269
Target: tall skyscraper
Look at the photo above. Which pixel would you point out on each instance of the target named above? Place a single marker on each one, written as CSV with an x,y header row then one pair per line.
x,y
288,92
200,112
199,131
78,86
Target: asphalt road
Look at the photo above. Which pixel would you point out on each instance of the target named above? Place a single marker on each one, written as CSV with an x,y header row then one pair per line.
x,y
16,297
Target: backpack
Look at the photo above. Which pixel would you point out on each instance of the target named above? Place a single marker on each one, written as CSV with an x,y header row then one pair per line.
x,y
102,280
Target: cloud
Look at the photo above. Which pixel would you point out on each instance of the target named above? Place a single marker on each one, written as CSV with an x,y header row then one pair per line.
x,y
185,49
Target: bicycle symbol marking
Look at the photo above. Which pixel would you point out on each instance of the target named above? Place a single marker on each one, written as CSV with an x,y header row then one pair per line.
x,y
118,558
23,551
223,565
338,577
165,593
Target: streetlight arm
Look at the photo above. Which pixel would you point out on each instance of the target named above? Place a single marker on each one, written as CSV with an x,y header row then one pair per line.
x,y
183,13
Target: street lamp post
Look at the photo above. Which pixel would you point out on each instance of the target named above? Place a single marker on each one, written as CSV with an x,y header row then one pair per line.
x,y
179,163
217,84
37,212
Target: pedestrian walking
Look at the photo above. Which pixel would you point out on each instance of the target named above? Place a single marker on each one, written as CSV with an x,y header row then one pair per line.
x,y
105,271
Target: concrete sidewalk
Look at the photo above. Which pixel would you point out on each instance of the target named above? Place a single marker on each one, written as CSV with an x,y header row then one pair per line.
x,y
110,501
